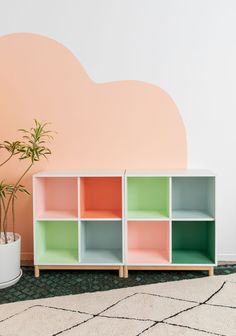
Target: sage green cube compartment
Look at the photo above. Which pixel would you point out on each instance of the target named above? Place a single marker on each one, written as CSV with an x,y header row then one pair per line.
x,y
148,197
57,242
193,242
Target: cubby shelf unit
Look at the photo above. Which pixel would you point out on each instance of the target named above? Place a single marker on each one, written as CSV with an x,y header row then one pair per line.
x,y
170,220
124,220
78,220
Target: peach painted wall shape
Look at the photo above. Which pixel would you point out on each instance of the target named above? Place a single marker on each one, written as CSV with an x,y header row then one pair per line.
x,y
118,125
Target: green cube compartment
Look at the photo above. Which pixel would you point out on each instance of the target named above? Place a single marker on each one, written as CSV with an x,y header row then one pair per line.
x,y
193,242
57,242
148,197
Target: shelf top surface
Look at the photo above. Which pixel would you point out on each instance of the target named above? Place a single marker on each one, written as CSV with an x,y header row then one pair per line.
x,y
104,173
168,173
79,173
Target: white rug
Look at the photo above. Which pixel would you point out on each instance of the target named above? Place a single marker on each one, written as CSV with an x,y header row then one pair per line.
x,y
198,307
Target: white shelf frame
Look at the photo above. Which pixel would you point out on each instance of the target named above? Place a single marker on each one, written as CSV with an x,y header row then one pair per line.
x,y
123,174
78,175
170,174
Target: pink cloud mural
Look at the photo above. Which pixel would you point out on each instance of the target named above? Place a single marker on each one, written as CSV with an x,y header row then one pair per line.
x,y
117,125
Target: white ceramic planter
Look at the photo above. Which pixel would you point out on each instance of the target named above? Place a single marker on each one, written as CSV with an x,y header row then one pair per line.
x,y
10,271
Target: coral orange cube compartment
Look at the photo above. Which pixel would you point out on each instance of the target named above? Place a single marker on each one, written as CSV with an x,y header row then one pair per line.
x,y
101,197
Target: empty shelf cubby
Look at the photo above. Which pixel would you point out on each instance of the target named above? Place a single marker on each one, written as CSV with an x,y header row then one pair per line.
x,y
193,242
148,242
57,197
101,242
57,242
100,197
193,198
148,197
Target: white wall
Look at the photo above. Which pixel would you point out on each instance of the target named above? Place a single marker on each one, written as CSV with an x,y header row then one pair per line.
x,y
187,47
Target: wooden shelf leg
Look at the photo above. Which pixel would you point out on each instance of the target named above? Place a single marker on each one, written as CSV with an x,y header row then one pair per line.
x,y
36,271
211,271
121,271
126,272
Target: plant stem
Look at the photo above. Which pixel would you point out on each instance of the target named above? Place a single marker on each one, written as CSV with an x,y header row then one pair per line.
x,y
0,218
13,216
1,164
10,198
4,229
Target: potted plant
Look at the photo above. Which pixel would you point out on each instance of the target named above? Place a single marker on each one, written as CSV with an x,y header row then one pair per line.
x,y
31,148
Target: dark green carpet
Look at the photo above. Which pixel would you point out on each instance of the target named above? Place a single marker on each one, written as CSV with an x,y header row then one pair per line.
x,y
56,283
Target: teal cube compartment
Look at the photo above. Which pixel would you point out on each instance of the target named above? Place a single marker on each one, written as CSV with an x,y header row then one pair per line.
x,y
193,197
193,242
148,197
57,242
101,242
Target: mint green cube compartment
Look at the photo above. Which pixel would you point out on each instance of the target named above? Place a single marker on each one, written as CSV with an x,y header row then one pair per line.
x,y
57,242
147,197
193,242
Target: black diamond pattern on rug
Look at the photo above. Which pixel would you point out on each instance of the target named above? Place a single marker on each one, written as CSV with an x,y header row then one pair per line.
x,y
101,323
